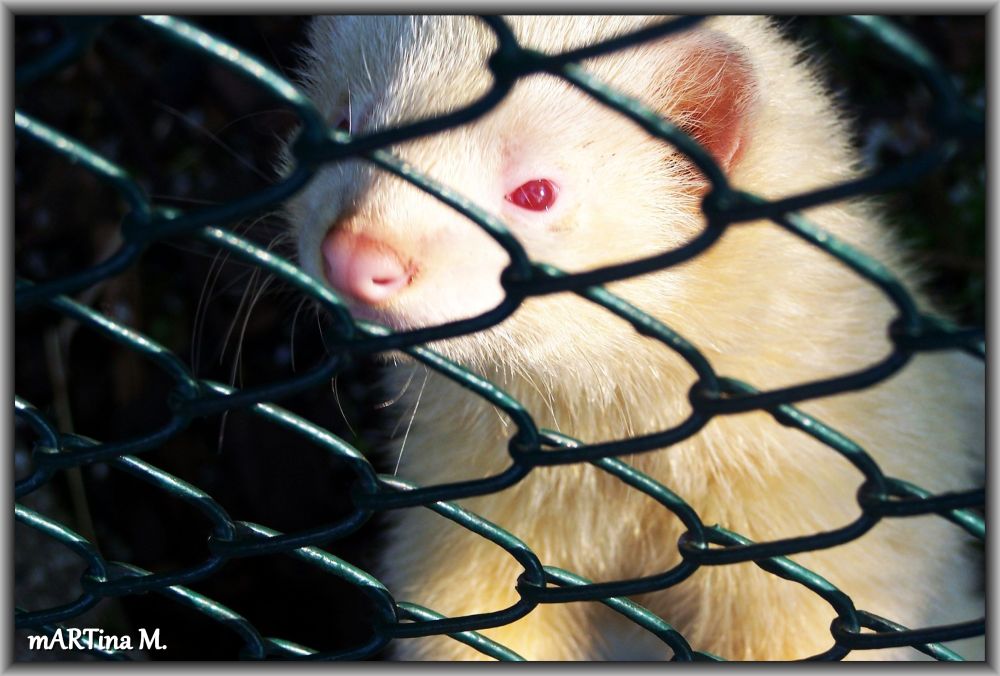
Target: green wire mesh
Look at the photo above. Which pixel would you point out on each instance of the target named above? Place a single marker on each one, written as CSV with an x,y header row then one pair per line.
x,y
146,224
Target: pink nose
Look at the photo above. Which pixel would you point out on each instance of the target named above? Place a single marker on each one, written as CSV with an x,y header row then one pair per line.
x,y
363,268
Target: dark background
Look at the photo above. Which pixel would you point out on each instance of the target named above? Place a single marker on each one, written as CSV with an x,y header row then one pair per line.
x,y
192,133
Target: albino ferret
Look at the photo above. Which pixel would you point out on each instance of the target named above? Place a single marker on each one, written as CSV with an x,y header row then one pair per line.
x,y
581,186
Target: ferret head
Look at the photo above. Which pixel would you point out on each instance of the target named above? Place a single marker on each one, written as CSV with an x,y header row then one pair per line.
x,y
579,185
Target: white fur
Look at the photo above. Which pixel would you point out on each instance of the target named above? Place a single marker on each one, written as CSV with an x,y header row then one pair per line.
x,y
763,306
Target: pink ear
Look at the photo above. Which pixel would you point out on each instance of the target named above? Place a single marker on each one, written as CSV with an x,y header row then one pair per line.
x,y
711,92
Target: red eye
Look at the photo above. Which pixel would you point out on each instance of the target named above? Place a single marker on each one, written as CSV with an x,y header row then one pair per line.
x,y
344,125
537,195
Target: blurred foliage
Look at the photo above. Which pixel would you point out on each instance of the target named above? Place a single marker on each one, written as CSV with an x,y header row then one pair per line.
x,y
192,132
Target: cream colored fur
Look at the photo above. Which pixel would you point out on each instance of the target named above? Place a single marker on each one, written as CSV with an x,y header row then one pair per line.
x,y
763,307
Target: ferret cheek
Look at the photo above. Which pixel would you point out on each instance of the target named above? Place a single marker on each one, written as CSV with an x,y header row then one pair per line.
x,y
476,286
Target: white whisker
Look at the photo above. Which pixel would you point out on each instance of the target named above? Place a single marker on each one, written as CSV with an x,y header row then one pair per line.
x,y
201,311
215,138
336,397
291,340
389,402
251,288
246,321
402,446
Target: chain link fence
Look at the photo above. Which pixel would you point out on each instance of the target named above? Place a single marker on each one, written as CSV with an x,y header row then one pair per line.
x,y
148,224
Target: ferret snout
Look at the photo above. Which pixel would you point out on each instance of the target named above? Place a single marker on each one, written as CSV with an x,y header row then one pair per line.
x,y
365,269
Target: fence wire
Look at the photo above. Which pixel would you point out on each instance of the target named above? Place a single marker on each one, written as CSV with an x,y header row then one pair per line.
x,y
147,224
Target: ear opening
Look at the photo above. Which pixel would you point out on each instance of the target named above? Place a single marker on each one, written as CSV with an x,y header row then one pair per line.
x,y
710,92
